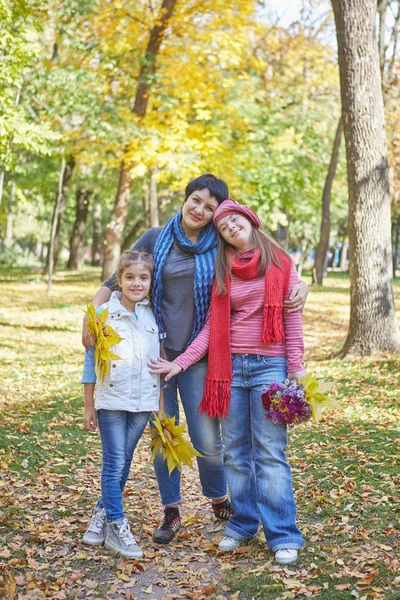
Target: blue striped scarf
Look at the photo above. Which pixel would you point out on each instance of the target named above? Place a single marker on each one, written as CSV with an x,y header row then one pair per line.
x,y
204,250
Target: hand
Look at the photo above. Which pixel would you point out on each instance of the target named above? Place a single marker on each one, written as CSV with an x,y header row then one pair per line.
x,y
160,366
87,337
90,418
298,297
297,374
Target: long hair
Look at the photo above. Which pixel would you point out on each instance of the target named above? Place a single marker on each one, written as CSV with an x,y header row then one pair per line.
x,y
270,251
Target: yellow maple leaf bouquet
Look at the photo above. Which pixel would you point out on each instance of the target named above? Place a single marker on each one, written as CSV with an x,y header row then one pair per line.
x,y
167,438
105,337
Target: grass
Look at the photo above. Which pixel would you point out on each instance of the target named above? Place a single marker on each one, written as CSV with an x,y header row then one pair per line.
x,y
345,469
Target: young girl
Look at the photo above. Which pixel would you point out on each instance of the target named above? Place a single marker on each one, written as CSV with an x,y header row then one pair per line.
x,y
252,341
124,401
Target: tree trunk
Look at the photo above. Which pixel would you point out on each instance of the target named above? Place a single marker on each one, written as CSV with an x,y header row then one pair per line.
x,y
115,228
7,149
396,240
281,235
323,244
130,239
113,240
343,263
373,324
50,254
77,242
154,220
10,216
382,7
96,242
67,178
59,210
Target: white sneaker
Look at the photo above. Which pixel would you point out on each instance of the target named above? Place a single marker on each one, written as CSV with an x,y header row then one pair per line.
x,y
120,539
286,556
96,531
228,544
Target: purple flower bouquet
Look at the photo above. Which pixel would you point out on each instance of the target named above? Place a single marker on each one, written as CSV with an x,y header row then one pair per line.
x,y
286,403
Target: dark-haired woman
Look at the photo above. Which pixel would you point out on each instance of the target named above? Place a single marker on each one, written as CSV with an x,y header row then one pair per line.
x,y
184,253
252,341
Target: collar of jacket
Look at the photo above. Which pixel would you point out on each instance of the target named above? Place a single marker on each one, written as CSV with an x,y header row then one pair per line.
x,y
117,310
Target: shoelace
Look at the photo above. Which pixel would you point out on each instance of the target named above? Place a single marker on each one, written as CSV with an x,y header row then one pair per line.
x,y
97,522
169,518
224,510
126,534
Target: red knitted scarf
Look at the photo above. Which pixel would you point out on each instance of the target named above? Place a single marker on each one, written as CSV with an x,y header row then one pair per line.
x,y
217,390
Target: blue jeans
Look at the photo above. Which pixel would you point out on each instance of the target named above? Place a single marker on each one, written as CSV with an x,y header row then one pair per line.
x,y
258,474
120,431
204,433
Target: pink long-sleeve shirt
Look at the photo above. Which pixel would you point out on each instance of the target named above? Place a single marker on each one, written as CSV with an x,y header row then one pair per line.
x,y
247,305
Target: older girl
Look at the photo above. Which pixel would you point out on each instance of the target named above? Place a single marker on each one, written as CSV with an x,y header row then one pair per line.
x,y
252,341
184,251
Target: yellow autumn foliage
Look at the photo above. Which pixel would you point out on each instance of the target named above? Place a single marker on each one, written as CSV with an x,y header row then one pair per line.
x,y
106,337
316,396
167,438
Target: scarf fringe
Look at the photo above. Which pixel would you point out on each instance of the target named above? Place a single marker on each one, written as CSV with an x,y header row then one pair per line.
x,y
272,327
216,398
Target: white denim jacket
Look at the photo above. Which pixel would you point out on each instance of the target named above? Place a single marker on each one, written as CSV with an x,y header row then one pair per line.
x,y
129,386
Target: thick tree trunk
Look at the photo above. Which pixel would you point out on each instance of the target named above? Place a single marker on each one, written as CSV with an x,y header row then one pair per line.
x,y
323,244
148,69
373,324
115,228
59,211
96,242
147,73
77,241
382,7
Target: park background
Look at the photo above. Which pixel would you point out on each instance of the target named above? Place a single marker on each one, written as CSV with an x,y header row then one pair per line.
x,y
107,110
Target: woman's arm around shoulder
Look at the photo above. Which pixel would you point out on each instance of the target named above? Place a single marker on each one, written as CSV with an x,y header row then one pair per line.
x,y
297,298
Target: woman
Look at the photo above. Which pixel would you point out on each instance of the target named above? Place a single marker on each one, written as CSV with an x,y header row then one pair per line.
x,y
184,252
252,341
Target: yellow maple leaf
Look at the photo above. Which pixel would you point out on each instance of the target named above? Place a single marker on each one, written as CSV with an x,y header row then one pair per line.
x,y
105,337
316,396
167,438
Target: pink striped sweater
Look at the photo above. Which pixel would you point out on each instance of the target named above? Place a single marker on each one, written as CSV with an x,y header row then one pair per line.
x,y
247,303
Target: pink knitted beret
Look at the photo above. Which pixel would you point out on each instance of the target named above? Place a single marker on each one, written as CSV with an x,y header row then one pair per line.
x,y
231,207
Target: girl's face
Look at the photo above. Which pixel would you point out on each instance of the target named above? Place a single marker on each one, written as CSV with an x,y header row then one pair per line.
x,y
236,230
135,284
198,210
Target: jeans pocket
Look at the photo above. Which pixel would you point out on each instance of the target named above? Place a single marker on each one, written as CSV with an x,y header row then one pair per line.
x,y
275,361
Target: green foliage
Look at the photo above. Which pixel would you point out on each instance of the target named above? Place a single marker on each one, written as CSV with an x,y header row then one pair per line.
x,y
20,48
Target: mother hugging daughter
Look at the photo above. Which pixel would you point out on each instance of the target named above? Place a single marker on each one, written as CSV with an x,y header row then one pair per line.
x,y
252,340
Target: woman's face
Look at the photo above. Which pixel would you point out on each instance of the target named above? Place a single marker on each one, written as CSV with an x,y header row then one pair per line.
x,y
236,230
198,210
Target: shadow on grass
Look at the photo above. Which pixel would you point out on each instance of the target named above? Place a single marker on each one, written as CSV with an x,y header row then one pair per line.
x,y
37,327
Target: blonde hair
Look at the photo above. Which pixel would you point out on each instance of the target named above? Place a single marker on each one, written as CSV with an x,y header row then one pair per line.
x,y
269,248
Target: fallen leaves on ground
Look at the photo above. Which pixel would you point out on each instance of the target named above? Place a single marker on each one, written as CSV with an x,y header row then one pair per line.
x,y
344,472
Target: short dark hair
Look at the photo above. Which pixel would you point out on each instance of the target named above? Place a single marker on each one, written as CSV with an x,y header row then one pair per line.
x,y
217,187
